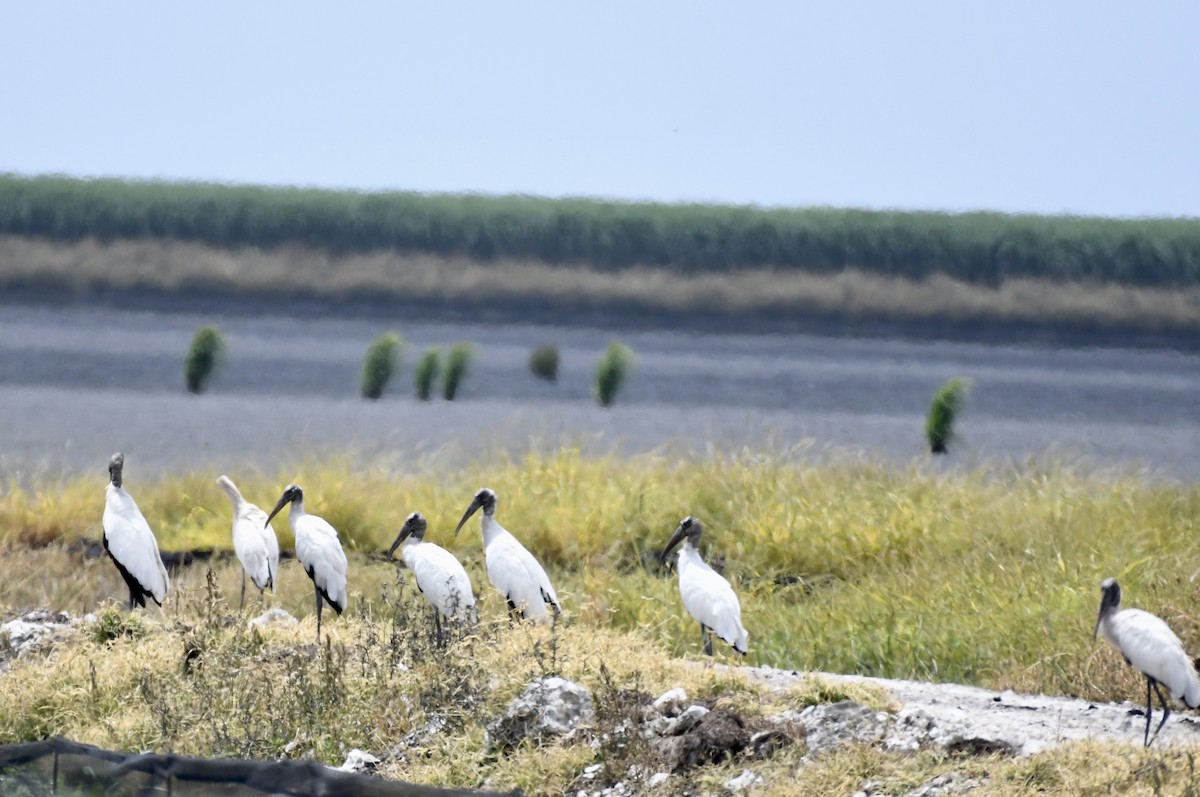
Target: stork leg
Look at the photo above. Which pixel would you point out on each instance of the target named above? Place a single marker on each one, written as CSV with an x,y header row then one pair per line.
x,y
131,600
317,592
704,635
437,624
242,602
1166,710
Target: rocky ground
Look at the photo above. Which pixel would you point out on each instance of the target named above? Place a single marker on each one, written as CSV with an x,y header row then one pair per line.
x,y
681,734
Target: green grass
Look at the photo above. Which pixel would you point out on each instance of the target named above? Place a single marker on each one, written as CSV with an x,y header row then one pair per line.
x,y
203,356
612,369
976,247
988,577
426,373
379,363
458,364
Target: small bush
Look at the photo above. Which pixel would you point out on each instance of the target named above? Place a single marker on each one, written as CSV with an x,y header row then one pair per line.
x,y
611,371
426,373
205,353
946,406
543,362
114,623
381,360
458,362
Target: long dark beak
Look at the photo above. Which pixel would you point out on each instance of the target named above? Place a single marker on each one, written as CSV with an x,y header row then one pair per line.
x,y
401,537
1096,630
471,510
283,501
676,538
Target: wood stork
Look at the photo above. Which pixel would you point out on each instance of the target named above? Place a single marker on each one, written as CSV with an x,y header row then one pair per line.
x,y
440,577
706,594
1150,647
254,541
511,569
318,549
130,542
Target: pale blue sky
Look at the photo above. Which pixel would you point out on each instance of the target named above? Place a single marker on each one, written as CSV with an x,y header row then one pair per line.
x,y
1084,106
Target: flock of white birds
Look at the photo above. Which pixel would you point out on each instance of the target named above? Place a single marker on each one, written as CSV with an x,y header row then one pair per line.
x,y
1144,640
440,577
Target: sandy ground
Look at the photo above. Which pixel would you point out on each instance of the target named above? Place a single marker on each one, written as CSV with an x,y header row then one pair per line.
x,y
1027,723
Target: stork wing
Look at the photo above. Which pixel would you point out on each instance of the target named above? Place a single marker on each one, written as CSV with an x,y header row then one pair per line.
x,y
320,552
441,578
710,600
132,544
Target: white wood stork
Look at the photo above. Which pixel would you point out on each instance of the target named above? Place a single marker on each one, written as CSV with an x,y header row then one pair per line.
x,y
440,577
1150,647
254,541
130,542
511,569
706,594
318,549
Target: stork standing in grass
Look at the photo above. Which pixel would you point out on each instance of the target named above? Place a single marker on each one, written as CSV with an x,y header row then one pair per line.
x,y
511,569
318,550
440,577
130,542
1150,647
254,541
706,594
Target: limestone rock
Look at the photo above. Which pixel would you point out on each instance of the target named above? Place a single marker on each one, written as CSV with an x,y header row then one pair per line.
x,y
549,707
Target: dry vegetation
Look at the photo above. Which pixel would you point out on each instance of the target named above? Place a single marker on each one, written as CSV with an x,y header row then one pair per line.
x,y
785,295
988,577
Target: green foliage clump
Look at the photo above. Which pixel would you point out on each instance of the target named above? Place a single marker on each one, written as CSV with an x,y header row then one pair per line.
x,y
946,406
203,357
611,372
381,360
458,362
543,362
426,372
115,623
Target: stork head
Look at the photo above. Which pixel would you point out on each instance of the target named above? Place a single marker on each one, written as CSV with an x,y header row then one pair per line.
x,y
414,526
114,468
1110,601
291,493
690,529
485,499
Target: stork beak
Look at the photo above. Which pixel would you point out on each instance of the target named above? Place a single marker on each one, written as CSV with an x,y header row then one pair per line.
x,y
401,537
284,500
675,540
471,510
1096,630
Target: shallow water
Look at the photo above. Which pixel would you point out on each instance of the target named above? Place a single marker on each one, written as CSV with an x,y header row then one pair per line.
x,y
79,382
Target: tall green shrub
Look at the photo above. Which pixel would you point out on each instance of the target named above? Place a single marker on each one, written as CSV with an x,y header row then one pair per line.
x,y
458,362
543,362
380,362
946,406
426,372
611,372
203,357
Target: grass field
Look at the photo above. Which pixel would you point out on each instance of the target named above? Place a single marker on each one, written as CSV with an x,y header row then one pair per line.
x,y
988,577
754,296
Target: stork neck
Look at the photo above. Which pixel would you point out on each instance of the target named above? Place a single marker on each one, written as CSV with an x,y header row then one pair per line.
x,y
235,495
491,530
689,553
297,510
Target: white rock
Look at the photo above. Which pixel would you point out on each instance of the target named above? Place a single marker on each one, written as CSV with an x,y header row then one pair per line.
x,y
359,761
670,702
658,779
590,772
744,781
548,707
273,617
689,718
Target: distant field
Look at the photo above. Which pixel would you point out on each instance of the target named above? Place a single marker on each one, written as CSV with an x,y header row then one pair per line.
x,y
986,248
750,297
